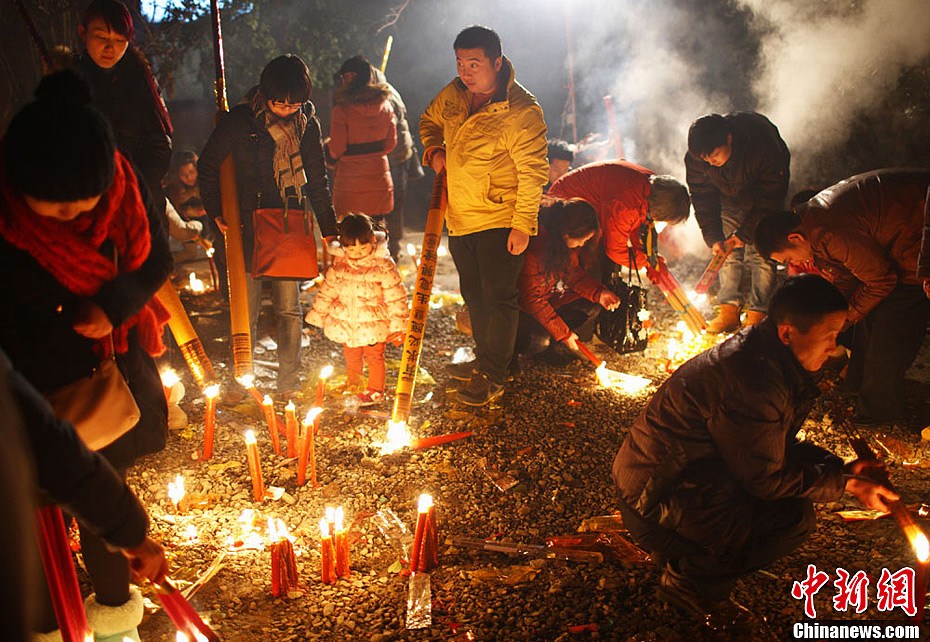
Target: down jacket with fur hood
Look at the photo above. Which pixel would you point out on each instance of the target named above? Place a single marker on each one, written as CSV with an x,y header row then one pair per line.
x,y
361,301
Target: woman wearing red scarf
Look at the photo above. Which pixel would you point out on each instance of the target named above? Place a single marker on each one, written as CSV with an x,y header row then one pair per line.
x,y
69,203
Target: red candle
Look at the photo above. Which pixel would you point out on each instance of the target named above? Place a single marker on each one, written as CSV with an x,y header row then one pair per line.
x,y
272,420
429,555
342,545
325,373
308,448
290,422
422,518
209,419
283,561
328,570
255,469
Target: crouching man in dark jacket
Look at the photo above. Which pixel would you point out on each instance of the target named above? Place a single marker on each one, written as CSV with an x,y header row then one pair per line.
x,y
712,479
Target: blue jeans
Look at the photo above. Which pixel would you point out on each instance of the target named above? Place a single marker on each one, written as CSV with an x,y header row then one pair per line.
x,y
761,272
284,296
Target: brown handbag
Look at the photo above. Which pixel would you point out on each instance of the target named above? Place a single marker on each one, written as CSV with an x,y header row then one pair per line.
x,y
100,406
285,247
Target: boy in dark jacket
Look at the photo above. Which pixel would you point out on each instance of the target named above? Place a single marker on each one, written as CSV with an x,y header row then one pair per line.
x,y
737,172
277,147
712,477
864,235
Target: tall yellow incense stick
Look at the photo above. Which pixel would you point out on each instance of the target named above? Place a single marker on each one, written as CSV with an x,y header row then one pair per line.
x,y
186,337
387,53
229,201
416,324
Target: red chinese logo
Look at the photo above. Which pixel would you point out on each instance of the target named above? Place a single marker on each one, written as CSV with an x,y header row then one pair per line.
x,y
808,588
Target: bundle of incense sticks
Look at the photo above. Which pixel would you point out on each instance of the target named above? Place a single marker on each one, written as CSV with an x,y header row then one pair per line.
x,y
60,575
679,301
713,268
182,614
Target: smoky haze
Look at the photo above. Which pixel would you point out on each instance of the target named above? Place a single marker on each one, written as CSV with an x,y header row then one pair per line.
x,y
824,65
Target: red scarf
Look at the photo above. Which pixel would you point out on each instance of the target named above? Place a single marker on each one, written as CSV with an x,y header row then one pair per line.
x,y
70,250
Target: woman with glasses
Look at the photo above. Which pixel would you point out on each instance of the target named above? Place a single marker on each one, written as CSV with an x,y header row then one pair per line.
x,y
276,144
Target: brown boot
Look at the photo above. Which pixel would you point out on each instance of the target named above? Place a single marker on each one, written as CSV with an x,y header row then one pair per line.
x,y
753,317
727,320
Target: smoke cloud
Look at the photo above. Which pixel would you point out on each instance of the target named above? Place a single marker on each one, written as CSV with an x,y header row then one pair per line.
x,y
823,64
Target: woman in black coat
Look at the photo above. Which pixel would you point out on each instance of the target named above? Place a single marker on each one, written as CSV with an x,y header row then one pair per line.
x,y
125,90
84,251
275,142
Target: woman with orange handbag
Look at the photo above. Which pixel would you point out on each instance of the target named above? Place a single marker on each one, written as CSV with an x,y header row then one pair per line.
x,y
277,148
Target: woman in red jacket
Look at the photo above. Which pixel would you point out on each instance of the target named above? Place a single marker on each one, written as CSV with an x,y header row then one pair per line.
x,y
362,132
559,300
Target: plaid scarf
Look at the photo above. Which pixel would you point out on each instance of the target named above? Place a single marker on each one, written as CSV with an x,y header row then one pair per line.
x,y
70,250
288,164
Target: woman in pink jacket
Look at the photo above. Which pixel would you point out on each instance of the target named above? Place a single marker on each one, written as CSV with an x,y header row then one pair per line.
x,y
363,131
362,304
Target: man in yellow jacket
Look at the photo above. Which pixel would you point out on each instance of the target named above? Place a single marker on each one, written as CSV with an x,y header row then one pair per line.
x,y
489,134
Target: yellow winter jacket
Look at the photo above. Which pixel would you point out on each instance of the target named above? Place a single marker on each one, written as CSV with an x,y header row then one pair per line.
x,y
495,159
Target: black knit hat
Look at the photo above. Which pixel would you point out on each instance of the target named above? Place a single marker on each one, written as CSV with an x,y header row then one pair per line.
x,y
59,148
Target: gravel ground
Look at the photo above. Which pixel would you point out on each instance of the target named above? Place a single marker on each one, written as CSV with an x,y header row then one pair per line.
x,y
555,433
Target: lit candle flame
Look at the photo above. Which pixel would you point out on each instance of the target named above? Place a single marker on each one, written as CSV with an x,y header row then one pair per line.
x,y
326,372
330,514
339,518
324,527
247,380
179,637
425,503
196,285
267,401
176,490
412,251
290,407
250,437
212,391
312,414
398,437
169,377
919,542
210,252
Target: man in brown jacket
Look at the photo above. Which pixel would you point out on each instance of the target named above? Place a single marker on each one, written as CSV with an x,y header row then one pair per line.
x,y
864,235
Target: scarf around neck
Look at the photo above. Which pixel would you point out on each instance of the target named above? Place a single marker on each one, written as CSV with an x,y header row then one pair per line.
x,y
288,163
70,250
